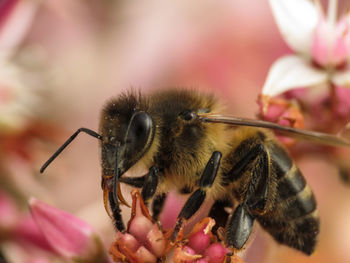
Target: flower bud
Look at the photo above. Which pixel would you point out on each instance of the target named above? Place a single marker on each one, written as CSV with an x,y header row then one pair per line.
x,y
68,235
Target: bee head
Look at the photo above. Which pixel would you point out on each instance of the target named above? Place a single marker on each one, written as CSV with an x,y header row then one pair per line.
x,y
127,132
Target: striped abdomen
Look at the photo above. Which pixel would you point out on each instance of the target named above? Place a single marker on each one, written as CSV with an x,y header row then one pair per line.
x,y
293,218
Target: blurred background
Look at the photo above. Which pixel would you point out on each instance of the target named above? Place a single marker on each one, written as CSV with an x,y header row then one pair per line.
x,y
61,60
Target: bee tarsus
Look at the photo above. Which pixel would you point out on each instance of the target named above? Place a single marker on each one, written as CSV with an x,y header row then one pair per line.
x,y
239,227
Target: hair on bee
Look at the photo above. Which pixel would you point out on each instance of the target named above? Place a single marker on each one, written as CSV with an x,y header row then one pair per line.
x,y
188,144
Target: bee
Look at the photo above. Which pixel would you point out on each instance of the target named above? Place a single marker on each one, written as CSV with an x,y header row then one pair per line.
x,y
189,145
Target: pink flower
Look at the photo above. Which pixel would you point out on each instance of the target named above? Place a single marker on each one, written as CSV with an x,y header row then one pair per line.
x,y
143,241
313,83
69,236
282,111
202,246
15,226
27,232
321,44
330,45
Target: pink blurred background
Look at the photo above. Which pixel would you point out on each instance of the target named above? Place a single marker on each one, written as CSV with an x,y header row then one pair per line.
x,y
72,56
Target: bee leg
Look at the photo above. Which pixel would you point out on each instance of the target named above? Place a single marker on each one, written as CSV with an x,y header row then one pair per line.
x,y
137,182
239,227
150,184
258,188
254,200
197,198
116,213
149,181
157,205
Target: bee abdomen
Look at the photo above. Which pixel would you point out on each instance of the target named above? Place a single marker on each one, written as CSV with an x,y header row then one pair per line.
x,y
300,233
294,197
293,219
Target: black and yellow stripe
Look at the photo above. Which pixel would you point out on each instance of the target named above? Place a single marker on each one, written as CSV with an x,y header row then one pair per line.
x,y
293,219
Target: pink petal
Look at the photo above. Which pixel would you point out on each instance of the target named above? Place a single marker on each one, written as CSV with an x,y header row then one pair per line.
x,y
145,256
139,228
320,49
199,241
6,9
27,232
185,254
8,212
342,108
156,241
67,234
215,253
128,241
15,21
330,43
39,260
340,49
201,234
271,111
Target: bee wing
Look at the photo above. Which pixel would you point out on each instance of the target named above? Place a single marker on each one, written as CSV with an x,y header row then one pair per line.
x,y
318,137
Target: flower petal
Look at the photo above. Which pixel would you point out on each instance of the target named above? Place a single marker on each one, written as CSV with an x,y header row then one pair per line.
x,y
291,72
330,44
68,235
145,256
15,20
216,253
296,20
8,212
185,254
27,232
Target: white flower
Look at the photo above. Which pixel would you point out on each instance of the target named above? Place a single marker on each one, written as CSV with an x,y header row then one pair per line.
x,y
17,100
321,44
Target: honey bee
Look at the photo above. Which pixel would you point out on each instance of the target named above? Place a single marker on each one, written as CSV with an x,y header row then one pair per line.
x,y
188,145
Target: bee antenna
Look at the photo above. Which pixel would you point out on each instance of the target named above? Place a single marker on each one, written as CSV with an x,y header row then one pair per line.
x,y
70,139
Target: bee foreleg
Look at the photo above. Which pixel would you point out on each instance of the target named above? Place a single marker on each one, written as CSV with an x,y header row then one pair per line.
x,y
118,220
150,185
197,198
133,181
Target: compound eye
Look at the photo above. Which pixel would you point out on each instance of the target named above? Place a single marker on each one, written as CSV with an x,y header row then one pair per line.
x,y
139,133
188,115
